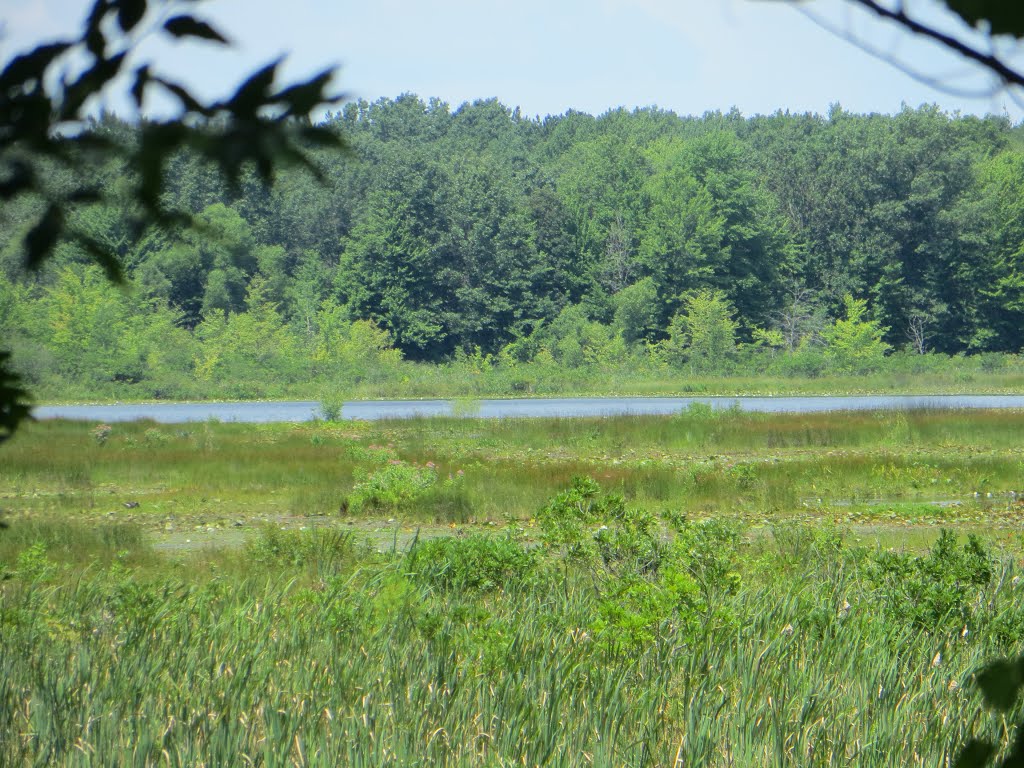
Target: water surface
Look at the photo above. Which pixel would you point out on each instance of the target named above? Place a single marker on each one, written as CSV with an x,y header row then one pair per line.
x,y
562,407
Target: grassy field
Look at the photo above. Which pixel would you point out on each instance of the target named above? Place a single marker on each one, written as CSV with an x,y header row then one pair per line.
x,y
703,589
915,375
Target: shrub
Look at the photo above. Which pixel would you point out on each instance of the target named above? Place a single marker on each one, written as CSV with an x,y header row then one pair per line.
x,y
567,521
476,562
648,584
937,591
391,487
101,433
330,408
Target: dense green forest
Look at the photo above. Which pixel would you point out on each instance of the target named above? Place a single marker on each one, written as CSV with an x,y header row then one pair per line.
x,y
794,244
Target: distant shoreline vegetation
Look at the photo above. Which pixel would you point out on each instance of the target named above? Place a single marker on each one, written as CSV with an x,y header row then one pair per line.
x,y
477,253
899,374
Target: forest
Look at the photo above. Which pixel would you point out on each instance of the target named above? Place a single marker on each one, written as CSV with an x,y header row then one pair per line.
x,y
799,245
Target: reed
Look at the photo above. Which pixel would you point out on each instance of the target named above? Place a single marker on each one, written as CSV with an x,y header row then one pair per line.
x,y
328,655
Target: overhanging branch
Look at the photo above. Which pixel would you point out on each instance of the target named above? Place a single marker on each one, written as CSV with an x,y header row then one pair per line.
x,y
989,61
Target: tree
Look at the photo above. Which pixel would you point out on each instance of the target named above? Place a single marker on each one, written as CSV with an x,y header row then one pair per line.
x,y
392,269
854,344
44,123
704,333
636,310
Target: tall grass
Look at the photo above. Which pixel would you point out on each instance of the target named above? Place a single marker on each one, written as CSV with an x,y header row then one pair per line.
x,y
331,657
701,462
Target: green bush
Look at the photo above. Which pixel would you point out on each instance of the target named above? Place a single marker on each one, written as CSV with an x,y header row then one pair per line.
x,y
477,562
391,487
330,408
650,584
938,591
568,522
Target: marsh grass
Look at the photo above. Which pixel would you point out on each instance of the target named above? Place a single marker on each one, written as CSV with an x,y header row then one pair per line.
x,y
477,651
700,461
665,643
70,544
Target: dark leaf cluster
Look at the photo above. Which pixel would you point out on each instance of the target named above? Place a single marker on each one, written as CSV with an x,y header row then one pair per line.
x,y
43,111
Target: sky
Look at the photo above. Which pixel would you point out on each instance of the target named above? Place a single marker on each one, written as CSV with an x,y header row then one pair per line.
x,y
548,56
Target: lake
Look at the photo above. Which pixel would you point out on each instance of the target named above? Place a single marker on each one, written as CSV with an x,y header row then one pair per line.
x,y
562,407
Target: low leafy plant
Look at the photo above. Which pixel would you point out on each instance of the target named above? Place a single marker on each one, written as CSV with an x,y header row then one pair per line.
x,y
649,583
330,408
34,565
101,433
391,487
938,591
477,562
154,436
568,522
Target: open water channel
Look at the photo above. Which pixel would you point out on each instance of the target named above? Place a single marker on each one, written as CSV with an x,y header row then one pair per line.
x,y
562,407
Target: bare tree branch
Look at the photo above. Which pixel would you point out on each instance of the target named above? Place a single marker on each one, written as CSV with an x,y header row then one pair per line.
x,y
937,82
989,61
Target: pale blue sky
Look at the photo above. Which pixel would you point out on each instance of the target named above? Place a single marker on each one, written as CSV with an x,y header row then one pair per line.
x,y
547,56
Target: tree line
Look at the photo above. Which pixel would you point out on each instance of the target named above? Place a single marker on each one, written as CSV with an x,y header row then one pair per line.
x,y
476,231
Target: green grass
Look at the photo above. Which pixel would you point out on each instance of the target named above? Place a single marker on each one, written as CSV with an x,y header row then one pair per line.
x,y
323,654
771,591
466,383
853,465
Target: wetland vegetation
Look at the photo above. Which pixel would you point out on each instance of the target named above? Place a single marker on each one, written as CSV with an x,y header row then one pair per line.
x,y
710,588
469,250
702,589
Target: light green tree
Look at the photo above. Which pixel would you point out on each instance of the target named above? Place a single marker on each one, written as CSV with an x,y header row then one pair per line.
x,y
703,334
854,344
575,340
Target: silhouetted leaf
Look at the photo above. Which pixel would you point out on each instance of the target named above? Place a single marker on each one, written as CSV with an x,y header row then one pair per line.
x,y
188,101
1000,682
102,255
321,136
189,26
304,97
1002,17
43,236
293,156
975,754
90,141
130,13
1015,757
21,178
89,83
93,38
29,121
139,86
254,92
30,66
157,142
14,407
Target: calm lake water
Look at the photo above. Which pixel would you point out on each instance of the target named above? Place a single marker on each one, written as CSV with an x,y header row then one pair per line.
x,y
568,407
